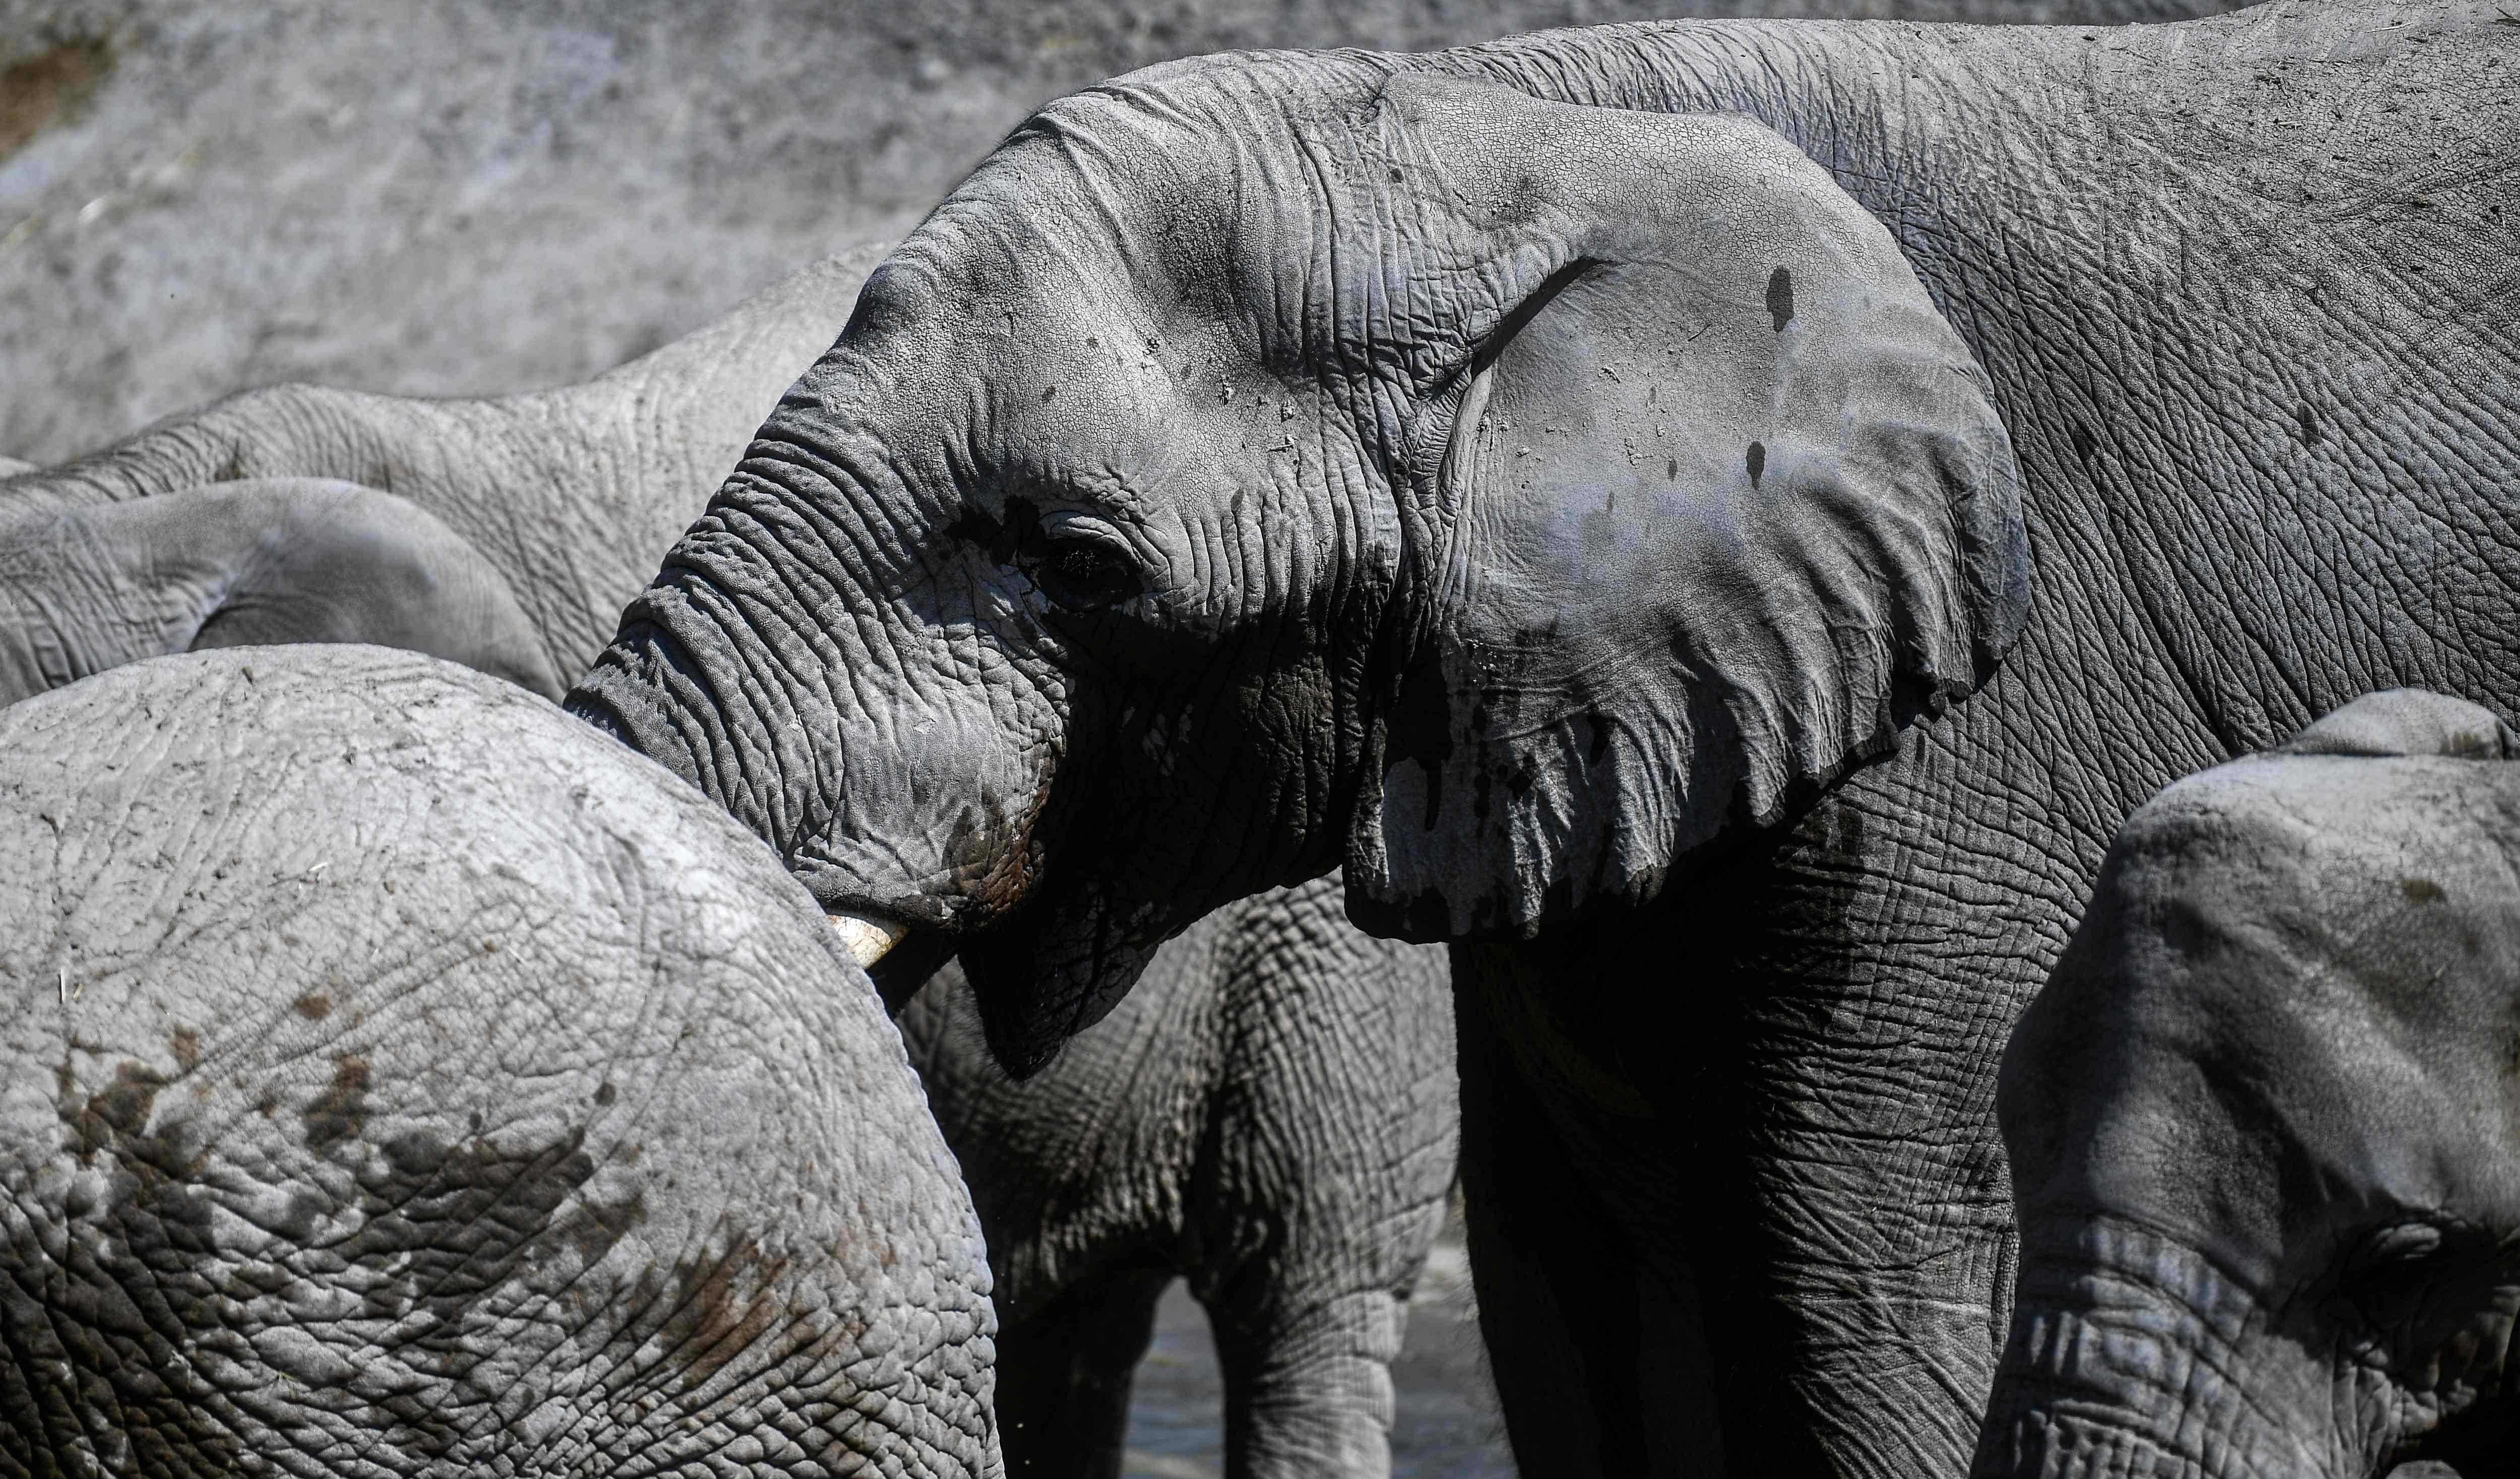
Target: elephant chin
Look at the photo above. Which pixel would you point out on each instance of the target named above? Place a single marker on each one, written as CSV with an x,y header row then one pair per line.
x,y
1047,974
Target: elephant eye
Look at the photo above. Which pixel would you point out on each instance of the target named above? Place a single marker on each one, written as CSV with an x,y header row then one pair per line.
x,y
1085,575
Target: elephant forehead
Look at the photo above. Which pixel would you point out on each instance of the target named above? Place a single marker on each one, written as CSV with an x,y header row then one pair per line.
x,y
2329,944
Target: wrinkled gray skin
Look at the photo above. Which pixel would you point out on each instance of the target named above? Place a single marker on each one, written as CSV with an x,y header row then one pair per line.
x,y
240,564
1578,515
546,508
2264,1128
1272,1114
398,1079
1275,1117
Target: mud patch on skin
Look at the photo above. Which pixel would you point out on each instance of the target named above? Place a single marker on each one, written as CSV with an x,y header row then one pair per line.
x,y
722,1308
116,1113
340,1111
117,1313
49,88
466,1233
454,1221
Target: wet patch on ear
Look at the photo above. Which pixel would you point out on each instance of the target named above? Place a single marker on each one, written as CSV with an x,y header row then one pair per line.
x,y
1781,297
1756,461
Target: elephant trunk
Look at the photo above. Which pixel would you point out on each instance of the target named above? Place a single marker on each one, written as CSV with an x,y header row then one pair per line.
x,y
2131,1355
672,686
797,726
713,677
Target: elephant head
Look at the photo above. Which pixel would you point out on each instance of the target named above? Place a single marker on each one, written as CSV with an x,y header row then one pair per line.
x,y
1265,463
2264,1124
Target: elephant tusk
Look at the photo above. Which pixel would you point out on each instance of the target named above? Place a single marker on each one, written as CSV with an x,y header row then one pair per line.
x,y
867,940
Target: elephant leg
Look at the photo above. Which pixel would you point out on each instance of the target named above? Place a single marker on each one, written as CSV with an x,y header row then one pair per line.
x,y
1064,1374
1589,1302
1310,1395
1871,960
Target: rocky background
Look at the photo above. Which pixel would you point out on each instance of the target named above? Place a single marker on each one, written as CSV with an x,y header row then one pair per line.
x,y
460,196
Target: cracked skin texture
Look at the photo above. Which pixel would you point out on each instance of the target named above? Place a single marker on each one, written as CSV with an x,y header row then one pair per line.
x,y
399,1078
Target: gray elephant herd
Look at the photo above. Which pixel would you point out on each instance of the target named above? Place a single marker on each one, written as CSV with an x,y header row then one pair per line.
x,y
1926,613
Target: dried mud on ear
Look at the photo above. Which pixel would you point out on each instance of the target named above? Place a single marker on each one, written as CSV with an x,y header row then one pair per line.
x,y
49,88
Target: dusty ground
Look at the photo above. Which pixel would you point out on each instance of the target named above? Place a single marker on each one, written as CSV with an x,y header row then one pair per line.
x,y
441,196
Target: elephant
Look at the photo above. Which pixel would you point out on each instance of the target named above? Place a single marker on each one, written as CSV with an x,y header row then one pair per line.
x,y
1275,1117
1717,523
399,1078
2262,1124
1272,1114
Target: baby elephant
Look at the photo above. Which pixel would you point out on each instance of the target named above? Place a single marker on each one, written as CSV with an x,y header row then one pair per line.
x,y
2265,1123
1272,1112
396,1077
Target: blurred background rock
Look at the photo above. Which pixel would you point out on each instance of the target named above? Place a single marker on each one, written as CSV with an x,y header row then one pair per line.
x,y
437,196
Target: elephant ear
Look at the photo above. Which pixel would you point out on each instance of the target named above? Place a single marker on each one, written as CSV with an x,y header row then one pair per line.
x,y
1710,500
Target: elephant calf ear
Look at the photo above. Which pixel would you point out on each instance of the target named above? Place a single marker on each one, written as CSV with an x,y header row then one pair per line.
x,y
1713,502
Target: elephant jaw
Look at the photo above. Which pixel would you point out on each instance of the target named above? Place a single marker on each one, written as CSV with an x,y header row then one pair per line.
x,y
867,940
